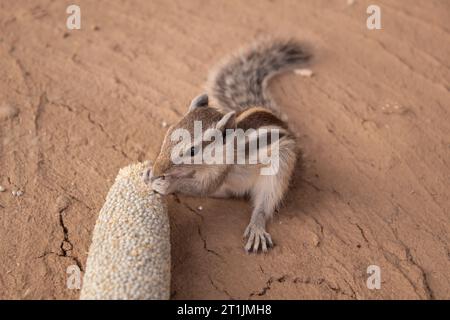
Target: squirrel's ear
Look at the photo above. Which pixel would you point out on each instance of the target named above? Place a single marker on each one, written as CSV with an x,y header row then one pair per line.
x,y
228,121
199,101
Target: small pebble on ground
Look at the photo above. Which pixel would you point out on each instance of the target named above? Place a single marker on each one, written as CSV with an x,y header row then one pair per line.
x,y
17,193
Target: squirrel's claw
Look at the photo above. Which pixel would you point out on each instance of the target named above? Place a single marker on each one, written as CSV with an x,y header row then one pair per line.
x,y
257,236
146,175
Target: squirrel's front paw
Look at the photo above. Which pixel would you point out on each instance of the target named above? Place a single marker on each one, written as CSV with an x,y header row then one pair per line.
x,y
257,236
147,175
161,186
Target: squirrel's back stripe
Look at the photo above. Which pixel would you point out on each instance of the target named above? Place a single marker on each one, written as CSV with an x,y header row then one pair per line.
x,y
240,81
254,118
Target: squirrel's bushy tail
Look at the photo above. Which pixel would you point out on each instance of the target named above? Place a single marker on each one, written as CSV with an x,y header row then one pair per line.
x,y
241,81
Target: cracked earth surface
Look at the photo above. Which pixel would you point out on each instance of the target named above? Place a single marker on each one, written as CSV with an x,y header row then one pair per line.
x,y
373,122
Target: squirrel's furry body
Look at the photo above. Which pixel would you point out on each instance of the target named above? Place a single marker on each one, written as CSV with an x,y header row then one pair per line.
x,y
239,96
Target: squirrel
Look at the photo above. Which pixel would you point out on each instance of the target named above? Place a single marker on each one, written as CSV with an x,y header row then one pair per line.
x,y
237,98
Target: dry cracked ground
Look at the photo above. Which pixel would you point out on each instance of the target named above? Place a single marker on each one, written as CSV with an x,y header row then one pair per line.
x,y
373,122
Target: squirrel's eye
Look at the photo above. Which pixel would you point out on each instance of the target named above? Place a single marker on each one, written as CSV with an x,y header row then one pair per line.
x,y
192,151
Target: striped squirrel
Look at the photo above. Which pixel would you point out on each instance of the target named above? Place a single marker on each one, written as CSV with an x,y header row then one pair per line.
x,y
237,98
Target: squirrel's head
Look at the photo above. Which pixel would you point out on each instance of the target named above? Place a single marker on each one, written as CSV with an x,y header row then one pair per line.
x,y
182,139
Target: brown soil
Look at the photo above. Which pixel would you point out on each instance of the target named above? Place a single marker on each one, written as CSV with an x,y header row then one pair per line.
x,y
373,121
